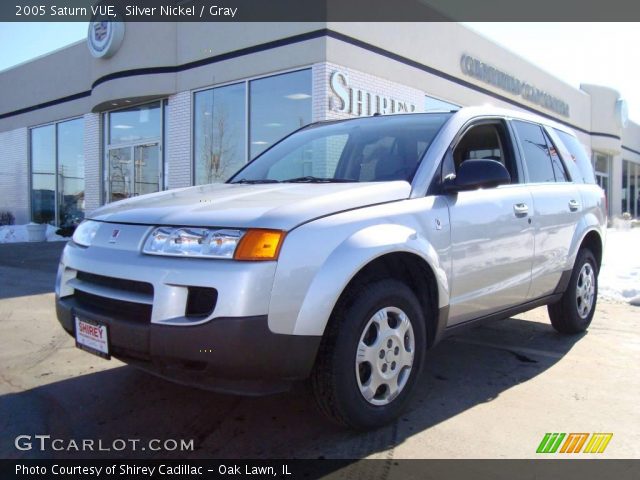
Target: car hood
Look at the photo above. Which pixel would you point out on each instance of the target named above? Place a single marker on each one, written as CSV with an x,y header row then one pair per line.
x,y
279,206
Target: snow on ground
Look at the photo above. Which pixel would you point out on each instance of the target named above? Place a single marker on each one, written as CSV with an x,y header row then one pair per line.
x,y
619,278
18,233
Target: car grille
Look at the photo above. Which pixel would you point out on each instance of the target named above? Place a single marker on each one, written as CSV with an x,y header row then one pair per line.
x,y
118,283
113,297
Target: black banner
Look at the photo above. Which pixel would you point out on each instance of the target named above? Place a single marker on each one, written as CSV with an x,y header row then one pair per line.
x,y
317,10
388,469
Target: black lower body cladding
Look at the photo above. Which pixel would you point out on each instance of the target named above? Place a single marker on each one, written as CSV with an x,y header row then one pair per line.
x,y
236,355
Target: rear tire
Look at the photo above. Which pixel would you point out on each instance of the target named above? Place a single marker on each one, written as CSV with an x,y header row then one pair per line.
x,y
574,311
371,355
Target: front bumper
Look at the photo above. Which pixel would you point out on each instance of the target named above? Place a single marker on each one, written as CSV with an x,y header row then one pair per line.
x,y
235,355
146,302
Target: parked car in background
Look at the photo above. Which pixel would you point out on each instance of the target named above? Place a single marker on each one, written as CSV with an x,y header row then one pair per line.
x,y
342,254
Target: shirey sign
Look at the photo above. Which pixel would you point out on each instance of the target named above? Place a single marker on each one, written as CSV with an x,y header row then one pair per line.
x,y
361,102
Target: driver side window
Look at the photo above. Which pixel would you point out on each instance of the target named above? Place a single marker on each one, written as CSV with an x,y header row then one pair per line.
x,y
486,141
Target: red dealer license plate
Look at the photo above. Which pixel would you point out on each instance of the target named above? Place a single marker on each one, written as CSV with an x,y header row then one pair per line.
x,y
92,337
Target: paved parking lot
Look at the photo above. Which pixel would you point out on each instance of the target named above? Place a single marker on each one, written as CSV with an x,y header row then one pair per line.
x,y
491,392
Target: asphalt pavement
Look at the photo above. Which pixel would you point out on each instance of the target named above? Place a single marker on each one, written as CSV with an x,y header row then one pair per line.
x,y
490,392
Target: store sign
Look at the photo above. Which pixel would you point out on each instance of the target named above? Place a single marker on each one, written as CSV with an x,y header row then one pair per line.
x,y
491,75
362,102
104,38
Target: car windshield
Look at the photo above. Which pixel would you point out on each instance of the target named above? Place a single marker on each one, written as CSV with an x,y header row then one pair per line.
x,y
372,149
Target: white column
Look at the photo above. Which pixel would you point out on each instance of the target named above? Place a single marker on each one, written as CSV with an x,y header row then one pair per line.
x,y
615,195
178,141
92,164
14,174
320,91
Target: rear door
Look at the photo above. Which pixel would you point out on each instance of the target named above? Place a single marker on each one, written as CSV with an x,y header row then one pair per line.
x,y
556,206
491,237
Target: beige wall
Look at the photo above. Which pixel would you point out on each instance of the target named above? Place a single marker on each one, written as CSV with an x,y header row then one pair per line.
x,y
145,45
59,74
440,46
631,140
437,45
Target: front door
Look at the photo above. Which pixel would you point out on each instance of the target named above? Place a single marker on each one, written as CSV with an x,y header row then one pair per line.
x,y
491,233
133,151
134,170
146,178
120,173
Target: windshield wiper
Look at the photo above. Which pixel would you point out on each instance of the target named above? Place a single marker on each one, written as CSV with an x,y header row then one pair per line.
x,y
312,179
259,180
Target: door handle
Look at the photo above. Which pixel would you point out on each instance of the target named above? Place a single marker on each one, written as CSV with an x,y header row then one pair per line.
x,y
573,205
521,209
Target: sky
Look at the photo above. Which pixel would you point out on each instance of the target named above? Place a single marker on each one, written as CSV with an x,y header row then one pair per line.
x,y
21,41
596,53
599,53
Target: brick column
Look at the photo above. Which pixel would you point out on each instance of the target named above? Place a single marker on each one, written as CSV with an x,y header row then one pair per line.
x,y
14,174
178,141
93,185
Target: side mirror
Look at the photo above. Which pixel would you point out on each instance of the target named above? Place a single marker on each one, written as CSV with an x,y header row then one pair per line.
x,y
473,174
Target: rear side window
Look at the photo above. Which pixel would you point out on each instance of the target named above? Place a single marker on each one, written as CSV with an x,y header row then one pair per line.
x,y
578,156
556,162
536,153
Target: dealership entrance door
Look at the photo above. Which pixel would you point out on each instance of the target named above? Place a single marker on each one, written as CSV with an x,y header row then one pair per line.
x,y
133,163
134,171
602,168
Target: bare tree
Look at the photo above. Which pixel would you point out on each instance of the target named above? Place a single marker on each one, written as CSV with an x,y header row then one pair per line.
x,y
217,146
118,172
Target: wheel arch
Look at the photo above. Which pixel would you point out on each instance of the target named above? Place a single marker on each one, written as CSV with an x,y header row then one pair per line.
x,y
329,279
408,268
593,241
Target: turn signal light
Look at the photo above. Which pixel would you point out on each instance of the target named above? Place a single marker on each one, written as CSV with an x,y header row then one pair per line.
x,y
259,244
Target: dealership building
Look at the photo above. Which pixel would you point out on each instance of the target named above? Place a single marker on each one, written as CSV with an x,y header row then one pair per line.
x,y
142,107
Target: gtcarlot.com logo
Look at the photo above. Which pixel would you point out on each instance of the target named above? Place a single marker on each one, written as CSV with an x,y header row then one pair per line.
x,y
574,443
45,443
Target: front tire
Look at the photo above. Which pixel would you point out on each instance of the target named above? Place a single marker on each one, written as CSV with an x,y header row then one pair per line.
x,y
574,311
371,355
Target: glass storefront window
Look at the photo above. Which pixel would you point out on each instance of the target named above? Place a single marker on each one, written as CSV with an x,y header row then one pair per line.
x,y
601,164
134,150
625,187
119,173
134,124
278,105
57,149
43,174
71,172
219,133
630,182
602,169
234,123
634,187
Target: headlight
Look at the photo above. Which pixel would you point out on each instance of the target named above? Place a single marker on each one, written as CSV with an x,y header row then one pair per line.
x,y
254,244
85,232
192,242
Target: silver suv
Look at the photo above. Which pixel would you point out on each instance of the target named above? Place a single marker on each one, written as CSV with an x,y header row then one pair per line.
x,y
342,254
